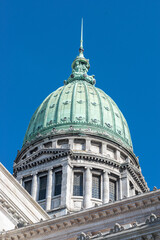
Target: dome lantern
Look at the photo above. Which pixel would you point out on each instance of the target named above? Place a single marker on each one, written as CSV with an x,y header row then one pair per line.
x,y
80,66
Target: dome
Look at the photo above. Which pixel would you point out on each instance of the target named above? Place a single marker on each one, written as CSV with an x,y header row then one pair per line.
x,y
79,107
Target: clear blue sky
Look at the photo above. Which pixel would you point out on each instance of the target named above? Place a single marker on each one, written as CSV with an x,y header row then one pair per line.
x,y
40,39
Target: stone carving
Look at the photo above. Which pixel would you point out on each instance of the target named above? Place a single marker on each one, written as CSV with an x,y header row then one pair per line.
x,y
94,103
79,72
79,118
50,122
155,188
52,106
80,101
66,102
152,218
117,228
108,125
107,108
83,236
134,224
64,119
94,120
99,234
119,132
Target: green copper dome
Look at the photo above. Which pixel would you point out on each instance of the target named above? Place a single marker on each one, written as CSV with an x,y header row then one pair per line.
x,y
79,107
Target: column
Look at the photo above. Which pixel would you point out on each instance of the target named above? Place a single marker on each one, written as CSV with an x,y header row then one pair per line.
x,y
34,187
105,187
88,188
66,186
49,190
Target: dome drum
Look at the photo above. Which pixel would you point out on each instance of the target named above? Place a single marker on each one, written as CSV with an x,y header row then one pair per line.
x,y
78,157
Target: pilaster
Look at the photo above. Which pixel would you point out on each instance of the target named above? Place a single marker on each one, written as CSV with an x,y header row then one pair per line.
x,y
88,145
88,188
105,187
125,185
66,185
49,190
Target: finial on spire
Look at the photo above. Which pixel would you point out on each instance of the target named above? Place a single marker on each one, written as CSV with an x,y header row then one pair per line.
x,y
81,50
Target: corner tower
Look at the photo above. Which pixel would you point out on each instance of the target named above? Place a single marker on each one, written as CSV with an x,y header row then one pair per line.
x,y
77,151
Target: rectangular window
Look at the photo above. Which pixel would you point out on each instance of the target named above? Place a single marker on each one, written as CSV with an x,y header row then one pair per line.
x,y
28,186
58,181
96,186
112,190
42,187
79,144
78,184
96,147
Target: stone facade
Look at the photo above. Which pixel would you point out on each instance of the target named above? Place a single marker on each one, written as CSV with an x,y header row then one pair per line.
x,y
88,155
132,218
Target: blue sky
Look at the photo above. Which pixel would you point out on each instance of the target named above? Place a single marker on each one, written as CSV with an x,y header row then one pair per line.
x,y
40,39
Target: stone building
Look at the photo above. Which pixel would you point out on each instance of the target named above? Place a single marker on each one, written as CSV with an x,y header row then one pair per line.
x,y
77,163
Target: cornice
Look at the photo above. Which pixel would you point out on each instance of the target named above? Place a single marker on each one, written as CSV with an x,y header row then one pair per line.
x,y
100,213
33,161
146,230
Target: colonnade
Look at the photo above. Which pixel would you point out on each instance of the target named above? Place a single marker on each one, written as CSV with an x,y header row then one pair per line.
x,y
67,186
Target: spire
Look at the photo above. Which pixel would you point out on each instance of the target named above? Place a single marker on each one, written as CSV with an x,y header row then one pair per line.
x,y
80,66
81,50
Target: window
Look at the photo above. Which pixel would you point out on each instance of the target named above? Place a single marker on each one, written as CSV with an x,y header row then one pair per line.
x,y
63,143
111,151
47,145
34,150
96,147
112,190
123,156
78,184
58,180
42,187
28,186
96,186
79,144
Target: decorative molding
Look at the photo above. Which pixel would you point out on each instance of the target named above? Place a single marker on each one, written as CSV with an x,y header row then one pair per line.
x,y
152,218
117,228
97,214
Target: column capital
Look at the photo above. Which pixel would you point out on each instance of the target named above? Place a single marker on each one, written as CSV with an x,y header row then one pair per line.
x,y
90,168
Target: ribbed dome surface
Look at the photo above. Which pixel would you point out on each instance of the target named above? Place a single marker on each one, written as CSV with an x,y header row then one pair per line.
x,y
79,106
